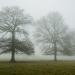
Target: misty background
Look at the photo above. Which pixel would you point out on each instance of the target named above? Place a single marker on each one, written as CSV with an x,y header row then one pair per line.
x,y
37,9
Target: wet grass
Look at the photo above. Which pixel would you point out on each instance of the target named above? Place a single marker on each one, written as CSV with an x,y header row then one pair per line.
x,y
38,68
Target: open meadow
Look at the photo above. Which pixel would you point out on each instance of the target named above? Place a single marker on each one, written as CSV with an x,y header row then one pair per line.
x,y
38,68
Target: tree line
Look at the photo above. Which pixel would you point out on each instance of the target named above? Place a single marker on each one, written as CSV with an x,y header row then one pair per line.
x,y
52,34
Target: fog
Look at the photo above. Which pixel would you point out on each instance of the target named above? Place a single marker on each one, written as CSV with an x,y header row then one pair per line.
x,y
38,9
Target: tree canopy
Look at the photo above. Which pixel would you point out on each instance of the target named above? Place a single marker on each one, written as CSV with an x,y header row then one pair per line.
x,y
50,33
13,21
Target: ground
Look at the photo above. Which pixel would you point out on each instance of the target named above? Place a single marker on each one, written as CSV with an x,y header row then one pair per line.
x,y
38,68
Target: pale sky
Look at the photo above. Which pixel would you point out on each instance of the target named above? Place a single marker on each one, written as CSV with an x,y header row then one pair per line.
x,y
40,8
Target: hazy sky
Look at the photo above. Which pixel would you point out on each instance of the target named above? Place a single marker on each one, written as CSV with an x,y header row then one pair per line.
x,y
39,8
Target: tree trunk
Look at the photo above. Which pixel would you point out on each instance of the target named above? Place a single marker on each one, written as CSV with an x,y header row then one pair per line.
x,y
55,52
13,48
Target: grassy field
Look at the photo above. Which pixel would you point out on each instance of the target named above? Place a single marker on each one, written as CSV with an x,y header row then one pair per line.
x,y
38,68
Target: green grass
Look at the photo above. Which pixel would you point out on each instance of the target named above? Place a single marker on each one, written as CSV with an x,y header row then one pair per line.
x,y
38,68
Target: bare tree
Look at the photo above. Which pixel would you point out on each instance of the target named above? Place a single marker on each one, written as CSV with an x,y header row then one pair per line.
x,y
50,31
12,19
67,44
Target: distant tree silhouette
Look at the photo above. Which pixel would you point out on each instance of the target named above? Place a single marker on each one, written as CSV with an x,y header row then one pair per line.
x,y
51,31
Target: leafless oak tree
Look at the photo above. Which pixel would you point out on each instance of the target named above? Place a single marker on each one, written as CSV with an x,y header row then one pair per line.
x,y
12,19
50,32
